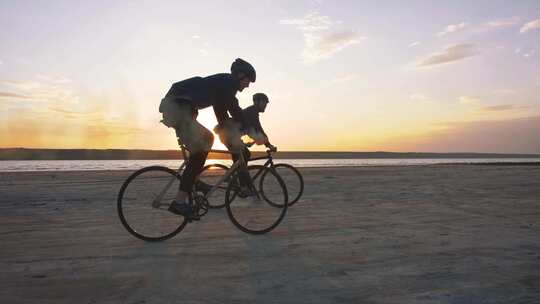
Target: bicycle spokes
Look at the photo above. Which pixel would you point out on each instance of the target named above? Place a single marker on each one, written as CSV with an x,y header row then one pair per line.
x,y
143,213
250,211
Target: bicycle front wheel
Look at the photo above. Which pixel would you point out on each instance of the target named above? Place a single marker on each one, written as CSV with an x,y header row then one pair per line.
x,y
143,201
253,214
293,181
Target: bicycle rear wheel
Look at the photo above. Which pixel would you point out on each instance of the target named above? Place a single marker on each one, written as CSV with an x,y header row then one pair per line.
x,y
143,201
252,215
293,181
208,178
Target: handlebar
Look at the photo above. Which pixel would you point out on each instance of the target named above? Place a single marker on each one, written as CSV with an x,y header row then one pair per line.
x,y
270,148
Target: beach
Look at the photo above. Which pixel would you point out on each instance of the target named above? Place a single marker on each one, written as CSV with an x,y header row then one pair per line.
x,y
380,234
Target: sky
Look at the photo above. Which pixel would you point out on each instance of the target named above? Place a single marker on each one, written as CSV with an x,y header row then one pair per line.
x,y
426,76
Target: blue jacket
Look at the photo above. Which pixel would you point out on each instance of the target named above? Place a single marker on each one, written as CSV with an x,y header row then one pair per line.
x,y
218,91
251,119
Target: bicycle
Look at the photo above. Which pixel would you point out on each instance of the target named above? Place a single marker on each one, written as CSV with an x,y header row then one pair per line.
x,y
145,196
291,177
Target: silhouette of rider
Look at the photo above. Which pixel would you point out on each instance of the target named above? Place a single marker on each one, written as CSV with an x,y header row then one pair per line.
x,y
180,109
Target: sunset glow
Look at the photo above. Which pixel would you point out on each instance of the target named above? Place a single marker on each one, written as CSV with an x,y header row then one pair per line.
x,y
341,76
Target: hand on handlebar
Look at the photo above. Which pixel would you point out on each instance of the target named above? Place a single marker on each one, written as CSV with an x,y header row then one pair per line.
x,y
271,148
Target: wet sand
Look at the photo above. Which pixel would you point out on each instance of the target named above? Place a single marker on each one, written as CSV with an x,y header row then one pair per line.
x,y
418,234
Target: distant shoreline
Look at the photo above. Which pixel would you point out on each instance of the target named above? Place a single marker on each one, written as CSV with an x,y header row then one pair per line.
x,y
302,169
124,154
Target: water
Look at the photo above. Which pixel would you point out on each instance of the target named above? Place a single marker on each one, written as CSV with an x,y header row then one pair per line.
x,y
81,165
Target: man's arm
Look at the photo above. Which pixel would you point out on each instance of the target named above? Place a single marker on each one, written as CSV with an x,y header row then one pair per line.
x,y
236,111
221,113
258,127
260,136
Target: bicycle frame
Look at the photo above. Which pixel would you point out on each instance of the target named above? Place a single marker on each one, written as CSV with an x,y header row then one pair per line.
x,y
268,163
228,173
157,202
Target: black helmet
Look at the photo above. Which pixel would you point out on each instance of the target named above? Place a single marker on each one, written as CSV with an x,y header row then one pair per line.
x,y
242,66
258,97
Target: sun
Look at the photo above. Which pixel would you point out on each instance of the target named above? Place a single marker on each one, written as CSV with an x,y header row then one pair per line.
x,y
208,119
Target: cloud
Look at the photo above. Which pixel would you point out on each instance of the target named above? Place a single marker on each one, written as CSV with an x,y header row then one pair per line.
x,y
504,92
324,47
529,53
530,26
521,135
481,28
4,95
54,79
414,44
452,53
344,78
196,37
418,97
60,110
451,29
468,100
501,108
312,22
525,53
478,107
52,90
504,22
23,85
321,41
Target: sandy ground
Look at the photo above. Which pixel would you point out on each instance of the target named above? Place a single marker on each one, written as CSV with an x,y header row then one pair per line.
x,y
426,234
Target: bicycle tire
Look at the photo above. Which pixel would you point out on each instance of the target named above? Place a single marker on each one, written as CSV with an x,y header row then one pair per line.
x,y
217,201
231,198
294,194
122,205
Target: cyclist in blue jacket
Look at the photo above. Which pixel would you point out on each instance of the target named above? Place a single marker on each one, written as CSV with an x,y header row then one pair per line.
x,y
252,123
180,109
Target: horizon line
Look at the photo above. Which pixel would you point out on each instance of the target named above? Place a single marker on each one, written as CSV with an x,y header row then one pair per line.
x,y
279,151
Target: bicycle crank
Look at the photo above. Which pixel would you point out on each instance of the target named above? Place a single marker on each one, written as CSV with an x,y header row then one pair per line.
x,y
200,206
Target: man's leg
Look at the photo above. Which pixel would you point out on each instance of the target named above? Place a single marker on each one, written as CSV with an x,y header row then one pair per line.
x,y
199,144
230,135
237,147
193,168
243,173
198,140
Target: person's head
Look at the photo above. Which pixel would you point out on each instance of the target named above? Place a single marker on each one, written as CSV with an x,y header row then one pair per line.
x,y
260,100
243,72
